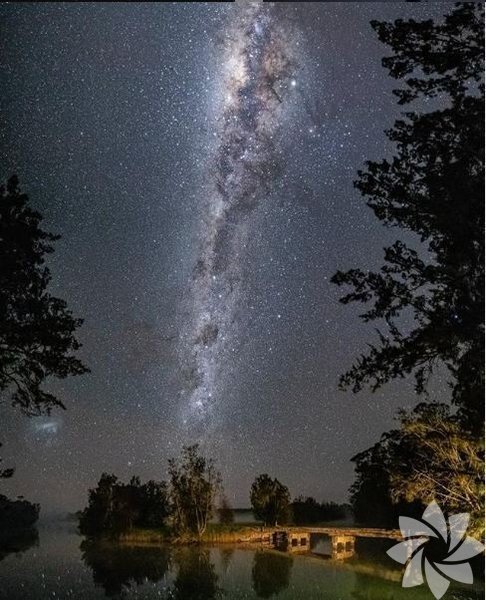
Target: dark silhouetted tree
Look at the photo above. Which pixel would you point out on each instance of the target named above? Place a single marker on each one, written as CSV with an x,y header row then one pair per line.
x,y
270,500
97,517
17,514
432,187
306,510
36,329
154,506
429,457
371,496
115,507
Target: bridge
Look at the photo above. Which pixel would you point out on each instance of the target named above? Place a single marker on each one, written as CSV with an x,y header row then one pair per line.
x,y
298,539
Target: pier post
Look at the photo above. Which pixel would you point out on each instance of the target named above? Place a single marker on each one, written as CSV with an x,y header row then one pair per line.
x,y
342,546
298,541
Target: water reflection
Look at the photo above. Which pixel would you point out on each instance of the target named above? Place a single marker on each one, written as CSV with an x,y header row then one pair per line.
x,y
270,573
117,568
190,573
60,568
367,588
16,542
196,575
226,558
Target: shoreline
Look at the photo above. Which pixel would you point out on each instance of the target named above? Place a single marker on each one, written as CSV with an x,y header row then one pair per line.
x,y
235,534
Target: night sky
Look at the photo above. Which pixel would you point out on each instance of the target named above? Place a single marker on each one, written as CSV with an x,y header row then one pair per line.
x,y
198,161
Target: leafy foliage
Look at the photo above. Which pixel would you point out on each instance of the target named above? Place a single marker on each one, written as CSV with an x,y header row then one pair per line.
x,y
17,514
433,187
194,484
430,457
115,507
270,500
36,329
371,496
447,466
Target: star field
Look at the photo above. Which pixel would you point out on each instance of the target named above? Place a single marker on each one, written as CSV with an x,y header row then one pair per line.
x,y
115,118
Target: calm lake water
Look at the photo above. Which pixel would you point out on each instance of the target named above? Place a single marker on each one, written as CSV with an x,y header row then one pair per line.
x,y
59,565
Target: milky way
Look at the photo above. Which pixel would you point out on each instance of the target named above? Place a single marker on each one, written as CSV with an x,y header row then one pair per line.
x,y
259,67
145,109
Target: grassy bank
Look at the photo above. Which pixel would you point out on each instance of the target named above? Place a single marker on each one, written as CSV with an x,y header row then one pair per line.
x,y
141,537
223,534
214,534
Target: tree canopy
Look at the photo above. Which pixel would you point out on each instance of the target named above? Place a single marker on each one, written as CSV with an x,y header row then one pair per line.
x,y
270,500
432,187
428,297
306,510
194,485
447,464
184,505
17,514
37,331
115,507
429,457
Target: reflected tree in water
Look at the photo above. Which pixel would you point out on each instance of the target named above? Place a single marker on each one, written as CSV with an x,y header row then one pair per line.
x,y
270,573
17,525
117,568
226,558
17,541
196,575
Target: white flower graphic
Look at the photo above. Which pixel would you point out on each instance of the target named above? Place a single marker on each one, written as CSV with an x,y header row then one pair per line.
x,y
412,551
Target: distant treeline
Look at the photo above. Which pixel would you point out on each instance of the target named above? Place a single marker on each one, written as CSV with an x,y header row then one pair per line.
x,y
309,511
184,506
306,509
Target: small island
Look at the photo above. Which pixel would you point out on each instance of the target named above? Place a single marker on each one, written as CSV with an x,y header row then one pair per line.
x,y
192,508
